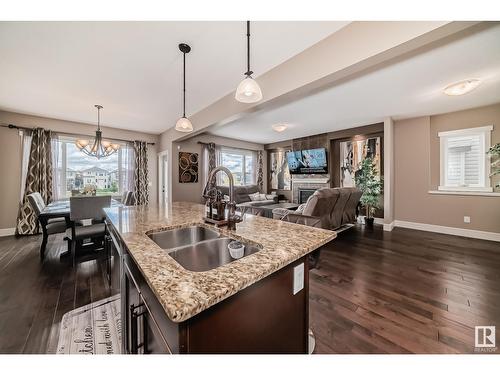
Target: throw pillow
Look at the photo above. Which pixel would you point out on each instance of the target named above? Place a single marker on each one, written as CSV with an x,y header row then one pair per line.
x,y
301,207
254,197
270,196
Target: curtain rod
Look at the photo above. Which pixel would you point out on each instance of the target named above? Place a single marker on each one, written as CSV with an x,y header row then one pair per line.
x,y
12,126
236,148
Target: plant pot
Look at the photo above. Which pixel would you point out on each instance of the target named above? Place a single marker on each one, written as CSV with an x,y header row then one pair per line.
x,y
369,221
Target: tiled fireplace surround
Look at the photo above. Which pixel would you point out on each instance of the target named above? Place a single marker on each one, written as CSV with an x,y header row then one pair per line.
x,y
308,183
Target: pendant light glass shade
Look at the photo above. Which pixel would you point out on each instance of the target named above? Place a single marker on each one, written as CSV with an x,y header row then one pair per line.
x,y
248,91
184,125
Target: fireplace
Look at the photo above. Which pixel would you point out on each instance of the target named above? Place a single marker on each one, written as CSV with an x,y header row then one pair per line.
x,y
304,194
306,187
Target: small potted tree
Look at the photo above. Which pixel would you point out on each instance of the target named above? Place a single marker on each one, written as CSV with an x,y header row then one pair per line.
x,y
370,184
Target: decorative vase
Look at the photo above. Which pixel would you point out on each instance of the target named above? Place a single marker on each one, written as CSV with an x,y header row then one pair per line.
x,y
369,221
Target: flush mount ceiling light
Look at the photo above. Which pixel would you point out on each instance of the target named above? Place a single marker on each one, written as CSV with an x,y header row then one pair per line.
x,y
183,124
279,127
462,87
248,90
99,148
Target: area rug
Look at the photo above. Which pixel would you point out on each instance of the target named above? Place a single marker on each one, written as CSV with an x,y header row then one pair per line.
x,y
92,329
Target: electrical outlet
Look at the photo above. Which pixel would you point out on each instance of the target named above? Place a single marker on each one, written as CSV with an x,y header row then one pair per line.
x,y
298,278
467,219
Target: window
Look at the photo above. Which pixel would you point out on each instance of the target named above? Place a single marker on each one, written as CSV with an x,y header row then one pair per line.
x,y
241,163
76,171
464,163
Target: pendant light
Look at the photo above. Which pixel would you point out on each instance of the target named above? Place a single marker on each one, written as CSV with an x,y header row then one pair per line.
x,y
99,148
183,124
248,90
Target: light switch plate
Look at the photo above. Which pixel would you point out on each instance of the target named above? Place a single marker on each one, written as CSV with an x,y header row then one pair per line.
x,y
467,219
298,278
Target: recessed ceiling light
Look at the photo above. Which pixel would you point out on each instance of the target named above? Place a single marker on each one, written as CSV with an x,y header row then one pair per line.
x,y
462,87
279,127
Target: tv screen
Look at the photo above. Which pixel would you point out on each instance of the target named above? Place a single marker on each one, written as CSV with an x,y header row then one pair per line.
x,y
307,161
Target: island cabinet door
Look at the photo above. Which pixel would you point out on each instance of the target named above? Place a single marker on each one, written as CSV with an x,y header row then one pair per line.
x,y
113,256
270,316
141,333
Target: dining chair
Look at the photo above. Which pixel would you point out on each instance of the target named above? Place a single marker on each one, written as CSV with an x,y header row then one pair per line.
x,y
124,196
51,226
129,199
87,208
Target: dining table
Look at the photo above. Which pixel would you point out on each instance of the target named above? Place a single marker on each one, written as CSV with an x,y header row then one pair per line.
x,y
55,210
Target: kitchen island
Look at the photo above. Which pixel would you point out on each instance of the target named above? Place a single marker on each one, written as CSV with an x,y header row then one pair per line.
x,y
256,304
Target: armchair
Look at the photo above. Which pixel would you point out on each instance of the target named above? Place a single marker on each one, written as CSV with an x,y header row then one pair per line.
x,y
327,208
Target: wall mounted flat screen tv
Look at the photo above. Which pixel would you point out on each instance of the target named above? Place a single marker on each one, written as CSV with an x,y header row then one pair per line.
x,y
307,161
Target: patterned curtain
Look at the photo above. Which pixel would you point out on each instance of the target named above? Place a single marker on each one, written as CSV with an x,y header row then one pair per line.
x,y
211,159
141,173
260,170
38,179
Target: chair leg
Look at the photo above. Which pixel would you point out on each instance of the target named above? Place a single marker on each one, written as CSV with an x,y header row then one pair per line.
x,y
43,246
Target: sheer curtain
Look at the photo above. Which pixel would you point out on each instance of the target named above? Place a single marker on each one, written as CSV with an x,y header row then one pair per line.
x,y
58,188
127,167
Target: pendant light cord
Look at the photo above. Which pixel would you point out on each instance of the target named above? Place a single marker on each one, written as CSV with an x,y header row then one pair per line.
x,y
249,72
184,85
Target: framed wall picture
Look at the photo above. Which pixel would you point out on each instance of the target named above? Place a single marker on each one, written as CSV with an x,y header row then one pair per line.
x,y
279,172
188,167
352,152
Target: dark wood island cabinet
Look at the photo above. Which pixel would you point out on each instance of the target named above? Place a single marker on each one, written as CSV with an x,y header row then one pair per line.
x,y
205,313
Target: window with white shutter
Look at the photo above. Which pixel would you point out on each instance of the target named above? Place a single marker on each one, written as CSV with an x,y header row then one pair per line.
x,y
464,163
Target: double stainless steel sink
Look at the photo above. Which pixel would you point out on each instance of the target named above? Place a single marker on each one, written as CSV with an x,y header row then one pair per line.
x,y
198,248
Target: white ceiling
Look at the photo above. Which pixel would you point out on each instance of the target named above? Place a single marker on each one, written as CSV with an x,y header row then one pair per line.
x,y
405,89
134,69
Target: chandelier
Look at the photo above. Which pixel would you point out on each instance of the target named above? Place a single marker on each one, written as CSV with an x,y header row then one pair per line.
x,y
99,148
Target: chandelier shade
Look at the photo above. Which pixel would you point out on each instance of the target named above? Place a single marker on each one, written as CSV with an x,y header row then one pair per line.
x,y
98,148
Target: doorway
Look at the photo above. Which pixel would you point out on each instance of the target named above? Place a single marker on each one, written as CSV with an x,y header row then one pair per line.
x,y
163,179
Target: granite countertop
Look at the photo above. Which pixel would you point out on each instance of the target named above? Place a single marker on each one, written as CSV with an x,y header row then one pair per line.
x,y
184,293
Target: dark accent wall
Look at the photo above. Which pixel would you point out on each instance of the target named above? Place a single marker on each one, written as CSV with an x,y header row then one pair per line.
x,y
331,142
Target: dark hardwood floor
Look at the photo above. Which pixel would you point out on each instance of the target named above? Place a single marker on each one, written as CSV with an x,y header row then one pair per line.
x,y
34,296
404,291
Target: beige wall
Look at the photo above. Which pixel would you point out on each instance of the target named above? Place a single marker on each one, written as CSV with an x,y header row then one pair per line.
x,y
191,192
416,171
10,156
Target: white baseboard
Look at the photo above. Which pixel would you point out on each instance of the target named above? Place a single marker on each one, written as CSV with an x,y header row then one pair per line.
x,y
389,227
7,232
471,233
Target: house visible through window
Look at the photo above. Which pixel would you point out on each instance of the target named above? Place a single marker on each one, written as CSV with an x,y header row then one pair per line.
x,y
241,163
79,173
464,163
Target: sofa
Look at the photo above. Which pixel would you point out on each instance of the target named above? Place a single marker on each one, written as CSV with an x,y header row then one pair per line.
x,y
327,208
242,196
